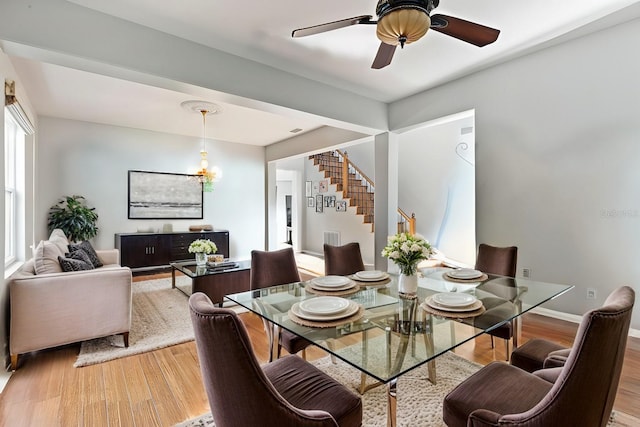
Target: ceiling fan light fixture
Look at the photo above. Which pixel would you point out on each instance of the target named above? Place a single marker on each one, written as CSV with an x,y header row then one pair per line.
x,y
403,25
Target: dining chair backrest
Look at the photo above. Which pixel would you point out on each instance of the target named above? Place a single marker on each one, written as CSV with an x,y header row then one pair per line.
x,y
497,260
342,260
271,268
239,392
584,392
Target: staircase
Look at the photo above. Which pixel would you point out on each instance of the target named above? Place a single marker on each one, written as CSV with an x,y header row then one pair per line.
x,y
354,184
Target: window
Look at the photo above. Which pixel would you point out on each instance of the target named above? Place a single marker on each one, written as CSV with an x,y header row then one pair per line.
x,y
14,141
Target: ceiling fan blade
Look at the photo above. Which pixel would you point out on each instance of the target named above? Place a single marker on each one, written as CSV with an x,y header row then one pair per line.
x,y
467,31
384,56
307,31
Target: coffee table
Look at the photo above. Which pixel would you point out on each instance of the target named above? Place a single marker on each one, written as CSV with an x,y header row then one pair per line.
x,y
215,282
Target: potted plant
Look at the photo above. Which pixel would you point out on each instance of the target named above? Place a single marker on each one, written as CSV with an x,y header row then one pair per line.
x,y
72,216
202,247
406,251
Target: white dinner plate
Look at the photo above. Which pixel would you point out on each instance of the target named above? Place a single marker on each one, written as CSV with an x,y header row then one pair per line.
x,y
382,276
324,305
328,282
454,299
472,307
349,311
346,287
465,273
370,275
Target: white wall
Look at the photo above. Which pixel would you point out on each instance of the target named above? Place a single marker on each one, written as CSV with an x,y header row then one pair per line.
x,y
92,160
437,182
348,224
557,159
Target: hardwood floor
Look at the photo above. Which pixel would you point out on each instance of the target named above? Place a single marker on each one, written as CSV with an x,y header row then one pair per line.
x,y
163,387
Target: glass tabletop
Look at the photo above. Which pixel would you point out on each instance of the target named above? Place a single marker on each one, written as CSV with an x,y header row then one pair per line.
x,y
396,332
191,269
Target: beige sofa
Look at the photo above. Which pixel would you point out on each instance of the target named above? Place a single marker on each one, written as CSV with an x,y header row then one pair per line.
x,y
55,308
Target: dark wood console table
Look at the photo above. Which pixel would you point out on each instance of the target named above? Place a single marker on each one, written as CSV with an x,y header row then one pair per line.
x,y
214,282
148,251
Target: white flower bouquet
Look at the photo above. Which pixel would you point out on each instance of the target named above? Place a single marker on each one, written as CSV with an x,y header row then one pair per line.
x,y
406,250
203,246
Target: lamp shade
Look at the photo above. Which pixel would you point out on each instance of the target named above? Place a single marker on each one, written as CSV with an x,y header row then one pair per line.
x,y
404,25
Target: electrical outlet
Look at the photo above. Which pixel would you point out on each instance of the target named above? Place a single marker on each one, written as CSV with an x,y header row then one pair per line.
x,y
526,272
591,293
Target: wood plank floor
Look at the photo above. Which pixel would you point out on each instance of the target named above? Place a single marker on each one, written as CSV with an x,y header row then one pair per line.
x,y
163,387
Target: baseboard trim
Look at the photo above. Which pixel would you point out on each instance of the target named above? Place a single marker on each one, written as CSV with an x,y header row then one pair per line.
x,y
572,318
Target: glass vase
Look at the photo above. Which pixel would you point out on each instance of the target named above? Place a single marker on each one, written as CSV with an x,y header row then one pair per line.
x,y
408,284
201,258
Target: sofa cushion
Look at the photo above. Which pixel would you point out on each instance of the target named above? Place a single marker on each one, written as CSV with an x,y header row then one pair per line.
x,y
58,237
46,258
88,249
74,264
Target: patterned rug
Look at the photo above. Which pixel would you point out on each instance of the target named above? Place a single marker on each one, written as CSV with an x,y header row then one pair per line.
x,y
160,318
419,402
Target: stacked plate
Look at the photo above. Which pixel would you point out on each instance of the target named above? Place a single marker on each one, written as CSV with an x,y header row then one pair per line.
x,y
454,301
370,276
332,283
464,274
325,308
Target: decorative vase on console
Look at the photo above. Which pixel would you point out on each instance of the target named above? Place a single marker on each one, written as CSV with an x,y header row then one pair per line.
x,y
202,248
406,251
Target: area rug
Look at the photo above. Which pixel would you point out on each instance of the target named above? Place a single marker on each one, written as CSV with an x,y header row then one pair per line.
x,y
159,318
419,402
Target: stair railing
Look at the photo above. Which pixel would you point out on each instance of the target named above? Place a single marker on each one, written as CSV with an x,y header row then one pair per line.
x,y
350,168
406,220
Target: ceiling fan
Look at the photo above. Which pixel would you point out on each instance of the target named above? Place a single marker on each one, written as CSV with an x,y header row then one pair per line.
x,y
402,22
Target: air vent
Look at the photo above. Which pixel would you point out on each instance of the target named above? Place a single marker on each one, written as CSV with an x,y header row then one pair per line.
x,y
464,131
296,130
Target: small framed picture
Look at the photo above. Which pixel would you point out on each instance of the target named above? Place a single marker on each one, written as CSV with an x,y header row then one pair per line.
x,y
341,206
324,186
332,201
308,189
327,200
311,202
319,204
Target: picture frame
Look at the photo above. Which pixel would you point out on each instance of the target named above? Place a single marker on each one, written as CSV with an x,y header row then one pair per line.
x,y
323,186
311,202
319,205
341,206
329,201
308,192
164,195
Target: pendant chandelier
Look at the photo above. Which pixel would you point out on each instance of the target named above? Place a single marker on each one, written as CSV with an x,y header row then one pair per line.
x,y
204,175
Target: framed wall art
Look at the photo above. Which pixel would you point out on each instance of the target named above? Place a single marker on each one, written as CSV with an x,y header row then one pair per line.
x,y
163,195
311,202
319,204
324,186
341,206
308,192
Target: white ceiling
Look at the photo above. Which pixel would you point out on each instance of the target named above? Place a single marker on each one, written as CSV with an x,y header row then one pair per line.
x,y
261,31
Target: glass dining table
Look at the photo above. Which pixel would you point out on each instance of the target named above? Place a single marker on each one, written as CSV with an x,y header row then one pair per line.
x,y
393,333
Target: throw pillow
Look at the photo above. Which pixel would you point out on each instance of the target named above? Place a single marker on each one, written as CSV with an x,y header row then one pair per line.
x,y
86,246
80,255
70,264
58,237
46,258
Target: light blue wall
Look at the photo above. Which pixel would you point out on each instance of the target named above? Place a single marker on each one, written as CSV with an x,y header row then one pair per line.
x,y
93,159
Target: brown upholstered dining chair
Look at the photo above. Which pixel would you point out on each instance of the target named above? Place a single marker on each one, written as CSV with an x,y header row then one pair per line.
x,y
342,260
287,392
579,394
501,261
271,268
